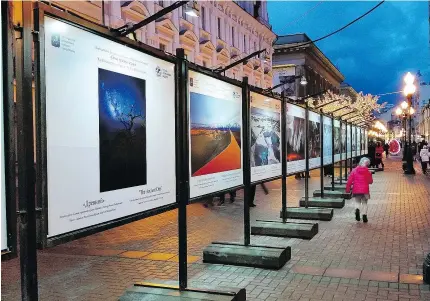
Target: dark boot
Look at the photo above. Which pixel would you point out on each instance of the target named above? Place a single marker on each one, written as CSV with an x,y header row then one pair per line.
x,y
357,215
364,218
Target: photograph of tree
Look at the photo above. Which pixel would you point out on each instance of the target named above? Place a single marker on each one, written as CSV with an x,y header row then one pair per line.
x,y
362,140
122,130
295,138
314,139
343,137
337,140
215,134
265,137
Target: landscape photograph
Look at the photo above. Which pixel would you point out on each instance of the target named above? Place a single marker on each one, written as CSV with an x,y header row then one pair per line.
x,y
295,138
215,134
122,131
337,140
265,137
314,146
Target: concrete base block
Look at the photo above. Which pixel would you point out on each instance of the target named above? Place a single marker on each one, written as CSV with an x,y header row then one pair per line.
x,y
333,194
337,187
280,229
323,202
323,214
376,169
160,292
337,182
253,256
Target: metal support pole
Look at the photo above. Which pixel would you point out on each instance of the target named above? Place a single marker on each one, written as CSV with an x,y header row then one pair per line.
x,y
332,152
350,162
284,157
26,169
341,152
183,168
346,143
322,154
306,154
246,103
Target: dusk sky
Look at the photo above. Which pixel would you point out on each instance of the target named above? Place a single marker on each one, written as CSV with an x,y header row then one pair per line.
x,y
374,53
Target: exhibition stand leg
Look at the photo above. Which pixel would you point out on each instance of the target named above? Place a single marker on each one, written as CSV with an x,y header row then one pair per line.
x,y
165,291
284,228
246,254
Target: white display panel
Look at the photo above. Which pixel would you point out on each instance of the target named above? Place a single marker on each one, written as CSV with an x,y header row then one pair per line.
x,y
343,140
110,114
314,140
266,146
337,141
215,135
295,139
348,141
2,154
327,140
358,139
354,141
366,144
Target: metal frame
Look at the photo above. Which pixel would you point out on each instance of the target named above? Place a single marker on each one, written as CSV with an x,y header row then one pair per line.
x,y
7,36
41,10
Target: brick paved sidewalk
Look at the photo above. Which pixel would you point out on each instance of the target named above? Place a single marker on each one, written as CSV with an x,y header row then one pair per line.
x,y
347,260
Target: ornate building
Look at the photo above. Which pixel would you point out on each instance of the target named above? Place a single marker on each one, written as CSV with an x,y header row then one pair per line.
x,y
295,55
224,32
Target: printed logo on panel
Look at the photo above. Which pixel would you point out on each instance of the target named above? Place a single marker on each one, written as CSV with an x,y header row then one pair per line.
x,y
56,40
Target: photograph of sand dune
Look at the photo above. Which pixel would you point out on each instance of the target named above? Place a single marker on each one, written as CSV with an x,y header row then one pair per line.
x,y
215,134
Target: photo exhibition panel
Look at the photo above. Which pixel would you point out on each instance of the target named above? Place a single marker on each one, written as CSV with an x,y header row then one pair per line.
x,y
314,140
215,135
295,139
265,137
110,114
327,140
337,141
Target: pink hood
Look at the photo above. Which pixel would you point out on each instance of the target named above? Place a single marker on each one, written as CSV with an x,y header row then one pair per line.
x,y
359,179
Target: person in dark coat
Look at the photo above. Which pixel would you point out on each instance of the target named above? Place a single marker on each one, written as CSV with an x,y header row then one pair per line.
x,y
386,149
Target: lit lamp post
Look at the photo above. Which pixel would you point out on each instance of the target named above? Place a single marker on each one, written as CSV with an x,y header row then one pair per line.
x,y
406,111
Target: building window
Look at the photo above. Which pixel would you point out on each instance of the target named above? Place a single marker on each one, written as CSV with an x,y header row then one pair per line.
x,y
244,43
161,3
204,64
162,47
219,28
232,35
255,47
203,17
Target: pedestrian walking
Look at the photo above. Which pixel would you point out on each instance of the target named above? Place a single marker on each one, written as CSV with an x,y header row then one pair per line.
x,y
371,152
424,156
252,194
386,149
379,150
360,179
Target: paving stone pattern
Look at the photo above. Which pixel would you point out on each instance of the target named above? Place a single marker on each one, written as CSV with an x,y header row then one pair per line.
x,y
347,260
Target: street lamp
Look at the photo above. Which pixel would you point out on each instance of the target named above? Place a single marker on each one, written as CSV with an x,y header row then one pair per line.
x,y
408,91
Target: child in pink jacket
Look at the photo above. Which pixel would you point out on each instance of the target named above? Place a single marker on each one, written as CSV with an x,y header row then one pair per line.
x,y
360,179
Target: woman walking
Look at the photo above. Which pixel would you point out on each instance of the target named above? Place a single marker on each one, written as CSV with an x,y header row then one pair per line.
x,y
360,179
425,156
